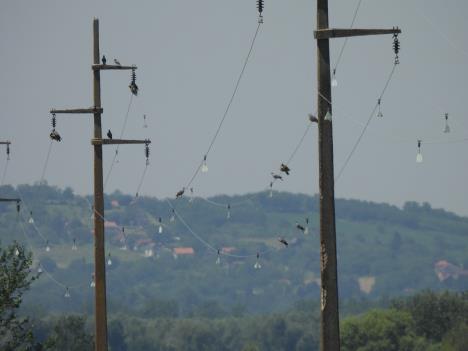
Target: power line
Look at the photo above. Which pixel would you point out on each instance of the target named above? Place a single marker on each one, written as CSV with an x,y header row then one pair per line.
x,y
226,111
356,144
338,60
121,135
46,163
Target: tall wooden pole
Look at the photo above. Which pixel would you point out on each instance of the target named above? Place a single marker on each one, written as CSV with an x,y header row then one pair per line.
x,y
329,320
99,250
97,142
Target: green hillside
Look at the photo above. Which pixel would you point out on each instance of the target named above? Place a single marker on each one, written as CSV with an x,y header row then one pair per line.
x,y
382,251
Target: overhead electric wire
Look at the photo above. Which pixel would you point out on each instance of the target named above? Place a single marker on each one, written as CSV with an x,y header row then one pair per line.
x,y
5,171
46,163
356,144
207,244
340,55
226,111
121,135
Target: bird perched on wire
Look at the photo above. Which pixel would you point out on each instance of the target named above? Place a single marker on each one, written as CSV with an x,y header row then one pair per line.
x,y
104,60
180,193
54,135
117,62
276,176
284,168
300,227
109,134
283,241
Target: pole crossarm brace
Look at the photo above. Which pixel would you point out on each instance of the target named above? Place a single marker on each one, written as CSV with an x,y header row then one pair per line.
x,y
2,199
79,110
118,141
97,67
5,142
351,32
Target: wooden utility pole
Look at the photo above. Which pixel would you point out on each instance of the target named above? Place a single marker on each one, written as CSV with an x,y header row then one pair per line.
x,y
329,321
97,142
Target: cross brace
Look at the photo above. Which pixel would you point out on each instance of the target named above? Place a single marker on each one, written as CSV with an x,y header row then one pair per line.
x,y
79,110
351,32
118,141
97,67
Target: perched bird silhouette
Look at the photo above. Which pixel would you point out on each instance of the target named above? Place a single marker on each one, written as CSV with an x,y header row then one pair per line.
x,y
283,241
109,134
104,60
180,193
300,227
54,135
117,62
276,176
284,168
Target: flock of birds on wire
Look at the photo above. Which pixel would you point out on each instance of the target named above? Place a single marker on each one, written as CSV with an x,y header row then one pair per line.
x,y
283,171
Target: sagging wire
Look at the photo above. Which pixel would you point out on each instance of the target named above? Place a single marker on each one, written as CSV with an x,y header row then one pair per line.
x,y
334,81
363,131
46,163
41,269
207,244
226,111
114,160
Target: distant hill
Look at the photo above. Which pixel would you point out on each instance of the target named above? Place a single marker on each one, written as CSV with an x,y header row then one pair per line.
x,y
382,250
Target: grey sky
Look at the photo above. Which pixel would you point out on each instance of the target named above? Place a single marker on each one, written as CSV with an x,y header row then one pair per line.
x,y
189,54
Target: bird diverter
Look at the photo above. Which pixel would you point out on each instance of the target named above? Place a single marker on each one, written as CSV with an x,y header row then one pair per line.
x,y
109,259
160,228
74,246
204,168
379,114
172,219
257,264
67,293
47,246
31,219
447,127
218,258
334,82
328,116
39,268
228,215
271,189
145,125
93,283
419,157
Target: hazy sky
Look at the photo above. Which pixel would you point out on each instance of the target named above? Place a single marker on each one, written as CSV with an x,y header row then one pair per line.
x,y
189,54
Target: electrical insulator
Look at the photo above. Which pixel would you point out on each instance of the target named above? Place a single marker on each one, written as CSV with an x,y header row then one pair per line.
x,y
396,48
8,151
147,153
133,87
260,10
54,121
